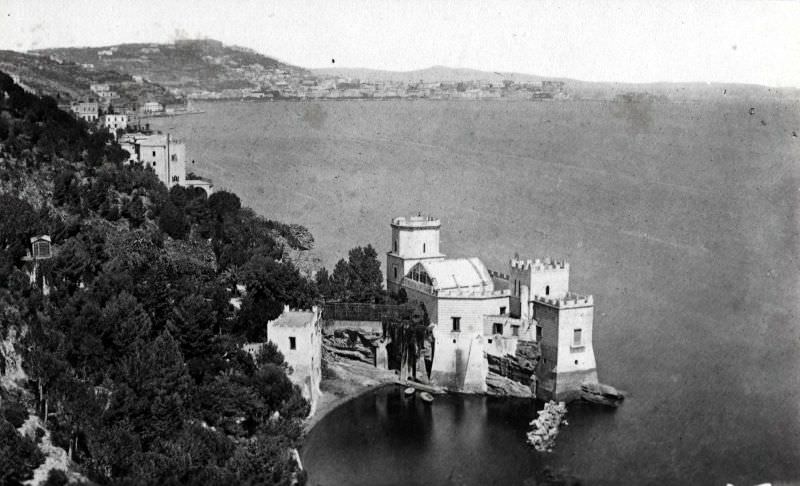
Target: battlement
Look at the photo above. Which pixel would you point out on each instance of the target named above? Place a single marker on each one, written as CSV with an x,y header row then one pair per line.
x,y
416,222
539,265
473,293
569,301
499,275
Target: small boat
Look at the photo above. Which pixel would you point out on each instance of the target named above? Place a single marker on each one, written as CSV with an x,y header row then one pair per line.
x,y
409,391
426,397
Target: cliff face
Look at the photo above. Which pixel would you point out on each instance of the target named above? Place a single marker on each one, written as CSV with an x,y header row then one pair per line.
x,y
514,375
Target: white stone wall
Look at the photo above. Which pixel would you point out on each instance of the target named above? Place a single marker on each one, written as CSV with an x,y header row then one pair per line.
x,y
569,320
306,359
470,310
415,242
459,363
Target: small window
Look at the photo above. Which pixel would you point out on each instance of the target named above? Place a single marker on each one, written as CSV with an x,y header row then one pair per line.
x,y
154,153
577,337
538,333
174,157
154,163
394,268
497,328
547,290
423,248
515,331
456,324
292,342
395,246
502,311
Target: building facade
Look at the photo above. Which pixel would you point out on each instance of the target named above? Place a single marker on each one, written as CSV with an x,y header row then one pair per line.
x,y
162,152
476,311
86,110
113,122
152,107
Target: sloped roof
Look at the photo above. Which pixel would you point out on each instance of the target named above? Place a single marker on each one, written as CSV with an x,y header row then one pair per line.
x,y
455,273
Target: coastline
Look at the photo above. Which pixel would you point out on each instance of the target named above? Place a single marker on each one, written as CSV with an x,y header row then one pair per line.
x,y
350,380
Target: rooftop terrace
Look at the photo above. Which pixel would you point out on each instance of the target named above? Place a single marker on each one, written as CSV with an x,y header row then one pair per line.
x,y
417,222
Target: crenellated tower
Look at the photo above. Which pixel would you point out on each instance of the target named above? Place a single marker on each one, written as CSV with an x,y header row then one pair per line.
x,y
544,277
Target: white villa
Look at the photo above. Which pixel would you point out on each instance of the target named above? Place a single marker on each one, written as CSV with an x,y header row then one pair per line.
x,y
476,311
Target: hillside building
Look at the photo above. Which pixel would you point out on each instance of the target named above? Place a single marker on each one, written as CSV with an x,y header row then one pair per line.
x,y
113,122
298,336
163,153
87,111
152,107
477,311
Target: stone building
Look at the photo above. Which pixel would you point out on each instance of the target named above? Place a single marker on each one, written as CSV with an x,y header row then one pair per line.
x,y
478,312
87,111
163,153
113,122
298,335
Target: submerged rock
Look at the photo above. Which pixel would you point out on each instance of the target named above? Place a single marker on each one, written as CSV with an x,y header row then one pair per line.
x,y
601,394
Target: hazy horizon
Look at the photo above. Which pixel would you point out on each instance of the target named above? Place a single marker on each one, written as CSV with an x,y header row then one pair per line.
x,y
743,42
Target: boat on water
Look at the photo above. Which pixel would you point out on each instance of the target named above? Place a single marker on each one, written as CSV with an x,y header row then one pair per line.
x,y
409,391
426,397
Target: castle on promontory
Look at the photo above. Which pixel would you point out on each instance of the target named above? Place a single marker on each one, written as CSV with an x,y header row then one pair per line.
x,y
477,313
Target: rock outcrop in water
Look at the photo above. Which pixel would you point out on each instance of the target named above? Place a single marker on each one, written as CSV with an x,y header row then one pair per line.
x,y
514,375
545,427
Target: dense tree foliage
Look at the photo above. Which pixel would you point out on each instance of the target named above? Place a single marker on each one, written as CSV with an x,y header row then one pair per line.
x,y
135,356
357,279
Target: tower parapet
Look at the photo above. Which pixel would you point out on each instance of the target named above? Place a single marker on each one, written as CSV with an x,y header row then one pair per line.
x,y
539,265
416,222
568,301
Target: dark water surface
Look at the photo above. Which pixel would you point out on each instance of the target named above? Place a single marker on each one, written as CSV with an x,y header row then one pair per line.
x,y
681,218
387,438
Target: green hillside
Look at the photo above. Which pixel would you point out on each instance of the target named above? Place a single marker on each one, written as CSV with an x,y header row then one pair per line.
x,y
188,65
67,81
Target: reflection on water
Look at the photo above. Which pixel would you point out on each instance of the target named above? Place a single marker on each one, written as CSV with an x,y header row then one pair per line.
x,y
388,438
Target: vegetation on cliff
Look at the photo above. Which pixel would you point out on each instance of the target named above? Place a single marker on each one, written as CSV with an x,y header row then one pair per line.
x,y
134,358
209,64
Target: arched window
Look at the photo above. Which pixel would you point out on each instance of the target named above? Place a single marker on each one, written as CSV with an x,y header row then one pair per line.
x,y
395,246
547,290
423,248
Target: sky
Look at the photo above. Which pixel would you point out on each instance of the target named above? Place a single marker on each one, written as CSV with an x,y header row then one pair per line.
x,y
627,41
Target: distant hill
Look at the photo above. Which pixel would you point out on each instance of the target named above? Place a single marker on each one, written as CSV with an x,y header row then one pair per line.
x,y
186,65
428,75
68,81
575,88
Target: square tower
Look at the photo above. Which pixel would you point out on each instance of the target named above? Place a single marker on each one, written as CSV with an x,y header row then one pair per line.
x,y
414,239
564,332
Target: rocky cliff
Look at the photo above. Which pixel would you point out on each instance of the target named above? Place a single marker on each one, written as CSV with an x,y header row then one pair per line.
x,y
514,375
